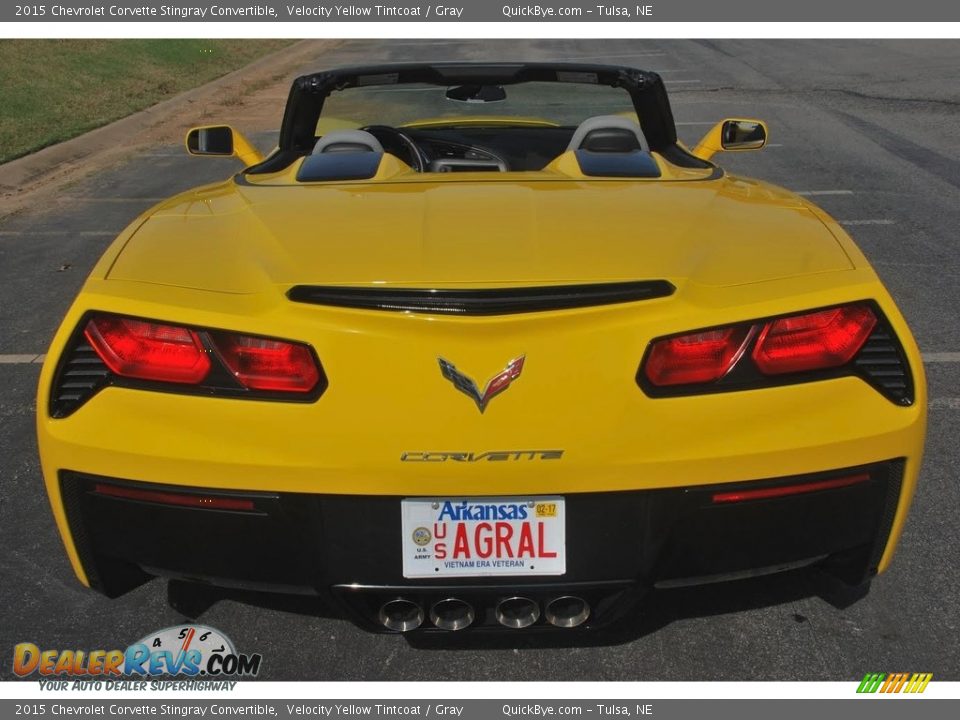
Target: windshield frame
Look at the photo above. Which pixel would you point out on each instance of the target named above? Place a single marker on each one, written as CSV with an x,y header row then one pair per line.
x,y
309,92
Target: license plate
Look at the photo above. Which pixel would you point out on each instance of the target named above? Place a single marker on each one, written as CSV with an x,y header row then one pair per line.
x,y
477,537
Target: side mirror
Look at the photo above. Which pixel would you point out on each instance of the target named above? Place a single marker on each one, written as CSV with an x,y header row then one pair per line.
x,y
222,141
743,135
732,136
214,140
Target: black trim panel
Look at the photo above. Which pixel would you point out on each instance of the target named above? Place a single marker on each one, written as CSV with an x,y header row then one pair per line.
x,y
346,548
496,301
636,164
332,167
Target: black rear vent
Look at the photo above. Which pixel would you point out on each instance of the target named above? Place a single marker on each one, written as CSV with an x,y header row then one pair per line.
x,y
81,375
498,301
894,472
883,364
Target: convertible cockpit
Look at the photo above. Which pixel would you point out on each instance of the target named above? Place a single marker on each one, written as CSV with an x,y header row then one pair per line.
x,y
557,120
482,148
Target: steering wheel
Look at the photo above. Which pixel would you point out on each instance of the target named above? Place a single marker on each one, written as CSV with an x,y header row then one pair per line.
x,y
394,139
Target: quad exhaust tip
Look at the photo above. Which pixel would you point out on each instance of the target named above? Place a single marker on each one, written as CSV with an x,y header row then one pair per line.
x,y
567,611
451,614
517,612
401,615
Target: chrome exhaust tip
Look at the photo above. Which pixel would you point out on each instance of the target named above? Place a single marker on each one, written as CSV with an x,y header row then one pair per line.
x,y
451,614
567,611
401,615
517,612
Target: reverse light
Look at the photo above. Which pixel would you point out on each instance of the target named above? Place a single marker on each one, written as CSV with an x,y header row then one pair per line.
x,y
696,358
265,364
148,351
818,340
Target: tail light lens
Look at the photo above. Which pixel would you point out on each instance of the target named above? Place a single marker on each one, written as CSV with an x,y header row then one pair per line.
x,y
853,339
696,358
262,364
202,359
824,339
148,351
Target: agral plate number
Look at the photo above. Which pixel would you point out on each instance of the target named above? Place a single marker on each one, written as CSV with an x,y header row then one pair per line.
x,y
477,537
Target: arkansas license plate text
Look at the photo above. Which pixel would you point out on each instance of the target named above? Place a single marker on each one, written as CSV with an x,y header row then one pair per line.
x,y
474,537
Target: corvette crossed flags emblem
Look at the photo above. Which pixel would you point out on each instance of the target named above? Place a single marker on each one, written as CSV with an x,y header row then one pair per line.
x,y
496,385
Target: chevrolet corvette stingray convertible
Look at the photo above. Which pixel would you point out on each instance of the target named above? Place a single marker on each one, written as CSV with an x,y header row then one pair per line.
x,y
480,347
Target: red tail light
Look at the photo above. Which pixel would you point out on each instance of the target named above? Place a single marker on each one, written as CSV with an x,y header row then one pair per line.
x,y
262,364
696,358
148,351
819,340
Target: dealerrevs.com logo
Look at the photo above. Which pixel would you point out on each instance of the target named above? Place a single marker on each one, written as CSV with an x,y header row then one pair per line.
x,y
189,651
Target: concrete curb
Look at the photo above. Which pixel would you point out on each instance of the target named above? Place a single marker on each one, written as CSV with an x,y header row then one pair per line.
x,y
62,162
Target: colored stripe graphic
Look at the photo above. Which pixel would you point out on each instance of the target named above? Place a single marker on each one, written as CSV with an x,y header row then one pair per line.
x,y
894,683
871,682
919,682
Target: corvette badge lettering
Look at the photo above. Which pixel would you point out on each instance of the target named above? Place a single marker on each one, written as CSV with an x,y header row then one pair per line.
x,y
497,384
490,456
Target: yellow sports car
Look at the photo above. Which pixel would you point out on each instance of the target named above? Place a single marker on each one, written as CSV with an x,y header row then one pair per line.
x,y
480,346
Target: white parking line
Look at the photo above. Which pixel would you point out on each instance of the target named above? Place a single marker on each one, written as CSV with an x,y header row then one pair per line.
x,y
897,263
952,403
58,233
21,359
418,43
872,221
403,89
620,55
942,357
823,192
682,82
84,198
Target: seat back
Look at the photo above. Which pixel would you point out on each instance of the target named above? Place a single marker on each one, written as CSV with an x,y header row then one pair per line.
x,y
608,134
339,141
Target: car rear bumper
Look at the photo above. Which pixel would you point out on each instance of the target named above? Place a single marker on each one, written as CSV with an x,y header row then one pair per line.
x,y
347,548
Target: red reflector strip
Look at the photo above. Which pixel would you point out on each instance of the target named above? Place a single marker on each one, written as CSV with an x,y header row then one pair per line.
x,y
167,498
783,490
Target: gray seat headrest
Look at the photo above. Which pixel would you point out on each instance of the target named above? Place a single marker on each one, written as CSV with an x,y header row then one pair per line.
x,y
338,141
608,133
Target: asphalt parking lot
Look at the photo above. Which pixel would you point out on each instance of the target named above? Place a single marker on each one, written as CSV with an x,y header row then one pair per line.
x,y
870,130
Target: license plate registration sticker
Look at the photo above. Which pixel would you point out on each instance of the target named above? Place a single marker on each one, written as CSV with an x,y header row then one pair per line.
x,y
477,537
